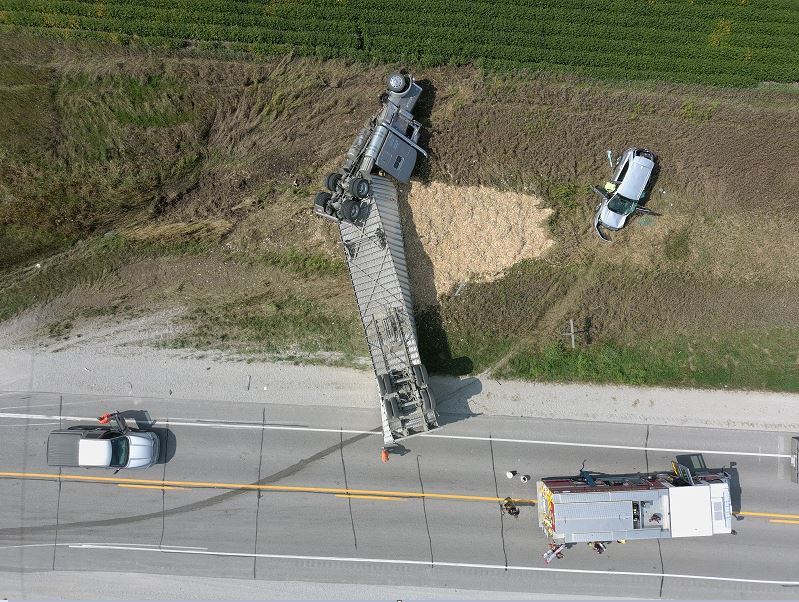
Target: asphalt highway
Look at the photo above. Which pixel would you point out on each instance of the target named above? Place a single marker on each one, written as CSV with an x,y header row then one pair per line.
x,y
298,493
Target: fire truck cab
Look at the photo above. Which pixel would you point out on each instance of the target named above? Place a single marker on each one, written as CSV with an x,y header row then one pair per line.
x,y
595,507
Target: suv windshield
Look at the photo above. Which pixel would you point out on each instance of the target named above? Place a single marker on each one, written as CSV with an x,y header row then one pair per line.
x,y
119,451
621,205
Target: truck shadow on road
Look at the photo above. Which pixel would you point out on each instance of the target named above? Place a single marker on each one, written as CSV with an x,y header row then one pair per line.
x,y
449,385
452,397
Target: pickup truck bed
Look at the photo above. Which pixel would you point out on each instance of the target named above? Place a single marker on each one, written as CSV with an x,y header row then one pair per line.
x,y
62,448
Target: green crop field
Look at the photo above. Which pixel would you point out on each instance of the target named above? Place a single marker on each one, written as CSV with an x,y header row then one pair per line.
x,y
717,42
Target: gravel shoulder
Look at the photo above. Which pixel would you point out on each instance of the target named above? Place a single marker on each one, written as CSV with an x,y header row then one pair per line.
x,y
142,371
74,585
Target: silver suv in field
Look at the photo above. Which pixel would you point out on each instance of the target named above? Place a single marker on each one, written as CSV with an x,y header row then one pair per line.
x,y
622,196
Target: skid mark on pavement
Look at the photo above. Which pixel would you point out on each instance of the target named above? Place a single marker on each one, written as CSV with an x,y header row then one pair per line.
x,y
234,488
217,499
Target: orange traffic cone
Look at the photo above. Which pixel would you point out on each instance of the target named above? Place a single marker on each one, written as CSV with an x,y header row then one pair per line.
x,y
384,456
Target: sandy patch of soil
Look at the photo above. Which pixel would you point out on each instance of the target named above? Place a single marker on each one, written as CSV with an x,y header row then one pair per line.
x,y
456,234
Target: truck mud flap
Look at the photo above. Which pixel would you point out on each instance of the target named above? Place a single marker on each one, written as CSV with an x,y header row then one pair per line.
x,y
385,384
428,405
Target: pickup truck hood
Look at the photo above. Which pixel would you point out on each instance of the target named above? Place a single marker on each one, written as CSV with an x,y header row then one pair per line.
x,y
636,178
143,449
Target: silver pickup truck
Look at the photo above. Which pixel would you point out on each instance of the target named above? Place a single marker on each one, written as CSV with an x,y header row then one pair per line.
x,y
114,445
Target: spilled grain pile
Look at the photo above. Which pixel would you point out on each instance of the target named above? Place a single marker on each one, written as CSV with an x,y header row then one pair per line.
x,y
456,234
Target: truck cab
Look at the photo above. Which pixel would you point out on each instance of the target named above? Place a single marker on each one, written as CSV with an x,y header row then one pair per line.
x,y
388,143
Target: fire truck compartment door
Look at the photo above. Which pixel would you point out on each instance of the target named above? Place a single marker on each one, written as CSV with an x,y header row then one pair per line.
x,y
691,511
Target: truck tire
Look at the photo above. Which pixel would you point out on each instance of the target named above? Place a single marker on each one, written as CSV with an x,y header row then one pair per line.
x,y
386,384
322,202
398,83
360,188
332,180
421,374
350,210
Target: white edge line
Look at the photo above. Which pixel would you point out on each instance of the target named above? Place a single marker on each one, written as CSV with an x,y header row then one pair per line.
x,y
149,546
606,446
440,563
429,435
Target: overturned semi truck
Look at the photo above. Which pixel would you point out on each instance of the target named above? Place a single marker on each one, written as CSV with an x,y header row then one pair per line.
x,y
362,200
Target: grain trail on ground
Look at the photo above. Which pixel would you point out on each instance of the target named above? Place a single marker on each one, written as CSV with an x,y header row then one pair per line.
x,y
469,233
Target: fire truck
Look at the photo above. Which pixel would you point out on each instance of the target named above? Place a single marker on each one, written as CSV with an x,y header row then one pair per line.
x,y
595,507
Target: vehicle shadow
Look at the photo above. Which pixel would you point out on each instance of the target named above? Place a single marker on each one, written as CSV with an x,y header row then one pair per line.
x,y
696,464
422,111
452,393
434,347
452,397
137,419
140,419
168,444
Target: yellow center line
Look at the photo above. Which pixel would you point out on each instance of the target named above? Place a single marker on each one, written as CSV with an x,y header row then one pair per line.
x,y
162,487
374,494
371,497
785,522
256,487
767,514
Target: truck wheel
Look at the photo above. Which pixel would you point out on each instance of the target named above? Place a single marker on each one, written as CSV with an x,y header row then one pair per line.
x,y
350,210
332,180
360,188
322,202
398,83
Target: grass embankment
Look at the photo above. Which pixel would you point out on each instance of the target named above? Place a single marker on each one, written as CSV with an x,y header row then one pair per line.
x,y
142,181
718,42
746,360
127,186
